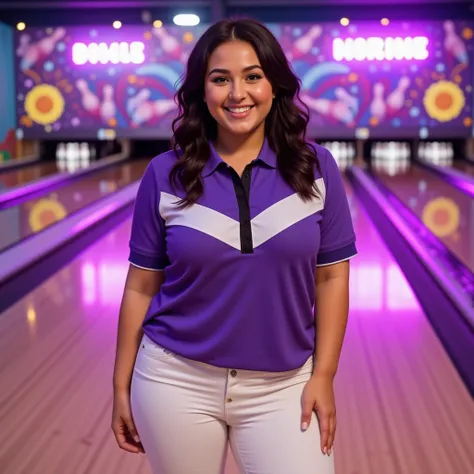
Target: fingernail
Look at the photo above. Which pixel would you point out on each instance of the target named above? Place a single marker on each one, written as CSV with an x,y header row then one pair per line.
x,y
304,426
329,453
136,438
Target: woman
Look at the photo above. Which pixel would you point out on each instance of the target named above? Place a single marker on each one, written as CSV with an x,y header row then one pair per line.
x,y
228,230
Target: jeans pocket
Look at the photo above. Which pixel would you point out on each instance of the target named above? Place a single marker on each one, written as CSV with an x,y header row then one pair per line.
x,y
154,350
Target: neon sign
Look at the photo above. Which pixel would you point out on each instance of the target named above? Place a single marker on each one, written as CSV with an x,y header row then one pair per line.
x,y
103,53
379,49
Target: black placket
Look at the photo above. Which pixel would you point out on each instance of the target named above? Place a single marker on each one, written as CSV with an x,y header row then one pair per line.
x,y
242,192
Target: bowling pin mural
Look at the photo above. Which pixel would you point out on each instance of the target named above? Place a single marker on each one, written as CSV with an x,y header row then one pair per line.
x,y
367,94
351,101
105,109
378,108
339,110
137,100
396,98
169,44
303,45
108,108
453,44
142,110
33,53
90,102
148,110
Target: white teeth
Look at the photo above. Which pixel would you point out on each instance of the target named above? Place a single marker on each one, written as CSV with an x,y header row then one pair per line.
x,y
239,110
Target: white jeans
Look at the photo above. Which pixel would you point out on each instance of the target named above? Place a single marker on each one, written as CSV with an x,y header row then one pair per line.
x,y
185,413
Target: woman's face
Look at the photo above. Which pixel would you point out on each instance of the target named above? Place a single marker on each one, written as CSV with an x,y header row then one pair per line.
x,y
237,93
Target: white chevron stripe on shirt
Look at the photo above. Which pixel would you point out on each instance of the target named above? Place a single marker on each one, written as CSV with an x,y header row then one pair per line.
x,y
283,214
201,218
269,223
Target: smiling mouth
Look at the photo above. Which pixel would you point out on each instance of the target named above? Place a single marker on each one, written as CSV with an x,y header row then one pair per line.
x,y
239,110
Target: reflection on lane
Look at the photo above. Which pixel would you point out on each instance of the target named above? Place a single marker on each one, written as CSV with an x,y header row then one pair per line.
x,y
10,179
37,214
388,292
446,211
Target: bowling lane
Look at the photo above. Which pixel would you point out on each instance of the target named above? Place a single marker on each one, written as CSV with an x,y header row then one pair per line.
x,y
394,374
30,217
446,211
58,347
20,176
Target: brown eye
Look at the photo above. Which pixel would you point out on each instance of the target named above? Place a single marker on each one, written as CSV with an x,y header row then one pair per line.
x,y
218,80
254,77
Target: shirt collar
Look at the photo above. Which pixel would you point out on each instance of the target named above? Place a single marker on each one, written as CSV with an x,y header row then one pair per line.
x,y
266,155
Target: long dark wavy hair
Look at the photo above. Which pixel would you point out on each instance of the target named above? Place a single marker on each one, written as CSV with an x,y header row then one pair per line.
x,y
285,125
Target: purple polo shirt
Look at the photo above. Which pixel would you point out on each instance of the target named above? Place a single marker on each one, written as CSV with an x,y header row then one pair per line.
x,y
239,264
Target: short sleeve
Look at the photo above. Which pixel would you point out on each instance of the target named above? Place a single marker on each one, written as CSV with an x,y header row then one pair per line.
x,y
337,232
147,241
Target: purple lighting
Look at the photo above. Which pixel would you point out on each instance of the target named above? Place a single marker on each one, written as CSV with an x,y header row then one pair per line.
x,y
104,53
379,49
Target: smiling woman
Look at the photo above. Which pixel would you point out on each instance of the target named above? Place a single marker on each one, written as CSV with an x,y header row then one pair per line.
x,y
238,233
236,65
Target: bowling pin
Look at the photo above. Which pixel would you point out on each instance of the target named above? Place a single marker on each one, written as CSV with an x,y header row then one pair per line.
x,y
138,99
149,110
376,151
396,98
89,101
76,154
377,106
163,106
392,151
84,151
23,46
343,95
453,44
41,49
169,44
61,157
46,45
435,152
303,45
108,108
60,152
336,109
84,155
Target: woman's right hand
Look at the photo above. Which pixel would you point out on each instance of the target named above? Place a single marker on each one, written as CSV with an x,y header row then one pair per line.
x,y
123,425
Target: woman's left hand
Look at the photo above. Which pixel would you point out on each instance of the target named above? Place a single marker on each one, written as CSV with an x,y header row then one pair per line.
x,y
318,396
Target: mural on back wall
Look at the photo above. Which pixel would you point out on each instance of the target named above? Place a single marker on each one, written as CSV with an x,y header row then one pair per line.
x,y
361,80
7,101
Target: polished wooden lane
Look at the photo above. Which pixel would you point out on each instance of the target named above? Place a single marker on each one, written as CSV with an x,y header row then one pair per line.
x,y
446,210
401,405
36,214
21,176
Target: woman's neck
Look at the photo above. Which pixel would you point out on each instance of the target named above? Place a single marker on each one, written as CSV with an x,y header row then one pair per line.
x,y
235,145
